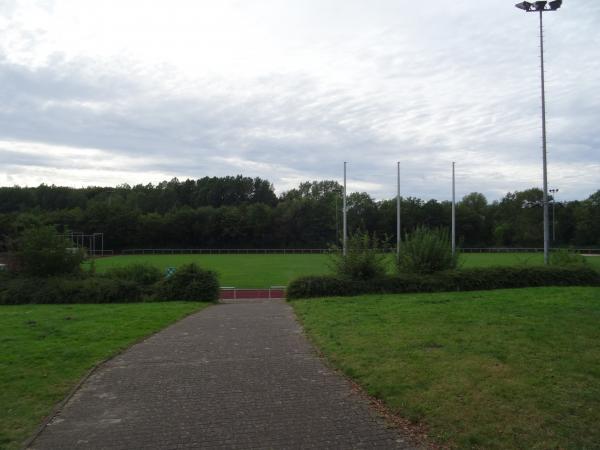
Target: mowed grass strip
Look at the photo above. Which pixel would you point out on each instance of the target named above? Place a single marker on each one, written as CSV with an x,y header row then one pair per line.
x,y
46,349
264,270
497,369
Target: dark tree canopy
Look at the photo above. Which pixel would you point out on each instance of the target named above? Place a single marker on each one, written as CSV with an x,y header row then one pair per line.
x,y
244,212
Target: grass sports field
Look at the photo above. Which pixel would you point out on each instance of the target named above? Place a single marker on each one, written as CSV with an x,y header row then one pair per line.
x,y
46,349
495,369
261,271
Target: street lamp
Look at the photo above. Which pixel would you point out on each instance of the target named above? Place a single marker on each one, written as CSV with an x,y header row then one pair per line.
x,y
541,7
553,192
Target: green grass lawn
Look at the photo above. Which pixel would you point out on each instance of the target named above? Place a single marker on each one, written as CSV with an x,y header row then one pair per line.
x,y
262,271
496,369
46,349
242,271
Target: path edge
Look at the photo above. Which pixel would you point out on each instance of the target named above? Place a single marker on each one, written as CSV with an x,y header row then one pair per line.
x,y
58,407
417,434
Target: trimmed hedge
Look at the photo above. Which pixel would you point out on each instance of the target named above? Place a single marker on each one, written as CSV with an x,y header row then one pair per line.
x,y
143,274
25,290
475,279
134,284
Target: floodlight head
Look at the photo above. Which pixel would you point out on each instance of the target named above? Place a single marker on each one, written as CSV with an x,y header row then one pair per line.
x,y
540,6
555,5
526,6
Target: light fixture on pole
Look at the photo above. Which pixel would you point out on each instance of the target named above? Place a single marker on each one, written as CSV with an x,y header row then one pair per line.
x,y
541,7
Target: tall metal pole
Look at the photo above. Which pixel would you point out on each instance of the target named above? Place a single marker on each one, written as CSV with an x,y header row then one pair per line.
x,y
345,226
337,222
453,212
553,192
398,227
541,7
553,220
546,221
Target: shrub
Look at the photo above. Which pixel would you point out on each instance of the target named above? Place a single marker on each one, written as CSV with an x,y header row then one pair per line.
x,y
42,252
566,258
426,251
454,280
144,274
25,290
363,261
189,283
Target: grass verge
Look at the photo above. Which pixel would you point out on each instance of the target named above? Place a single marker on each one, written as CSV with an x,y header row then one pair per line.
x,y
46,349
496,369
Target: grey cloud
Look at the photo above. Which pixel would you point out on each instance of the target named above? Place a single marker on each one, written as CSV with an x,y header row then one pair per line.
x,y
468,90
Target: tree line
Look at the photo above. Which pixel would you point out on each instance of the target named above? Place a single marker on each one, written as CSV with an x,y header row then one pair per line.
x,y
244,212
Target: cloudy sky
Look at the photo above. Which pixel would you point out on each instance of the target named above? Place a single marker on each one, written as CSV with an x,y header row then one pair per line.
x,y
111,92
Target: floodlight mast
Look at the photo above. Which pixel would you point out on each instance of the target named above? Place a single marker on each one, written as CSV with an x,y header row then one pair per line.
x,y
541,7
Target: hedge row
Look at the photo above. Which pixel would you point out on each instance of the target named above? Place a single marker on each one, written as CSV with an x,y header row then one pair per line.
x,y
24,290
457,280
189,283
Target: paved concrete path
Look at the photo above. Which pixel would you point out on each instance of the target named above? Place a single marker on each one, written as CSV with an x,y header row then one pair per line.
x,y
234,376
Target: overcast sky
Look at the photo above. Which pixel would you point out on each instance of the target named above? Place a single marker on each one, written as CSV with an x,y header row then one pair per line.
x,y
111,92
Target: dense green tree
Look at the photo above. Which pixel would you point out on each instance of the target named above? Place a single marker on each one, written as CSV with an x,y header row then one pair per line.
x,y
473,220
42,251
587,220
244,212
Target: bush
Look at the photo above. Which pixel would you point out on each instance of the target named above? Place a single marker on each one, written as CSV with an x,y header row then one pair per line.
x,y
455,280
426,251
189,283
25,290
363,261
42,252
144,274
127,284
566,258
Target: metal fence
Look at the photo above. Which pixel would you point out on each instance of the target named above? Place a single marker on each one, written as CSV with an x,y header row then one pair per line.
x,y
100,252
233,293
284,251
220,251
590,251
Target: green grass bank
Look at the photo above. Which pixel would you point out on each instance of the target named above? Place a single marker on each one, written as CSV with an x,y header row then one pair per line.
x,y
497,369
46,349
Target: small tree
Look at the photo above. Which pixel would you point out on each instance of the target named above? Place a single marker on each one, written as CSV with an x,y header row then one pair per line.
x,y
364,260
426,251
43,252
